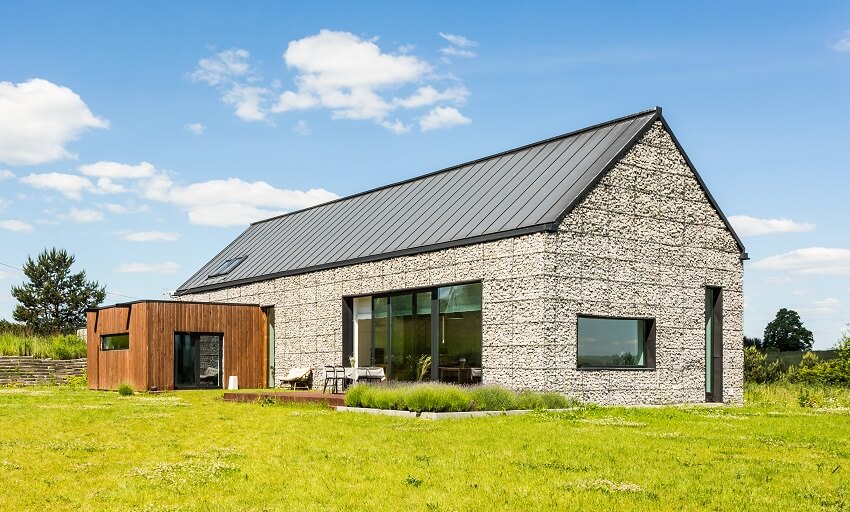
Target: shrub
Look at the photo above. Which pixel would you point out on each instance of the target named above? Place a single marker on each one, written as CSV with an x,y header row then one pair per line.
x,y
437,398
125,389
440,397
812,370
530,400
354,395
557,401
78,381
757,369
493,398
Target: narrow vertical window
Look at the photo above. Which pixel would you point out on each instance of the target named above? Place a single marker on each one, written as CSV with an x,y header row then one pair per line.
x,y
713,344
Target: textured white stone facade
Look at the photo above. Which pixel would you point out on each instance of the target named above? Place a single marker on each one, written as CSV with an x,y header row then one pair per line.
x,y
644,243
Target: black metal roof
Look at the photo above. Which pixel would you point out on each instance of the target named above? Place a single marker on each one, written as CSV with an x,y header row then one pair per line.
x,y
524,190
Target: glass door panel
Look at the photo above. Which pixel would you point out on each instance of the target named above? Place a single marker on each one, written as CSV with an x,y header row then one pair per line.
x,y
197,360
380,333
410,325
460,333
185,358
209,354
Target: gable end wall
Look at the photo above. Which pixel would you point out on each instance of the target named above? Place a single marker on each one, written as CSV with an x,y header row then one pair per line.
x,y
645,243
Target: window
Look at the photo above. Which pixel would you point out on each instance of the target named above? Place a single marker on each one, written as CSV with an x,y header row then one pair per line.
x,y
115,341
615,342
226,267
425,334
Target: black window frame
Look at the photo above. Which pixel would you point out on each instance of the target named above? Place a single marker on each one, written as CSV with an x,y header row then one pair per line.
x,y
104,336
227,266
648,348
348,316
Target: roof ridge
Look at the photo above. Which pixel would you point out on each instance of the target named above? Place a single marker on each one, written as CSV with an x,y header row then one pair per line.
x,y
656,109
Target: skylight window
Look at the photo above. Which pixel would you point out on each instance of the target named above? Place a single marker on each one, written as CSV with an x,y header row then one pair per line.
x,y
226,267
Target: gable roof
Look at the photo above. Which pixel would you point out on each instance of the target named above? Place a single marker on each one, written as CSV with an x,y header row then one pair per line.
x,y
520,191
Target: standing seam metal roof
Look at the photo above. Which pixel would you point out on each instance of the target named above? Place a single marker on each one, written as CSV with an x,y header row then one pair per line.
x,y
520,191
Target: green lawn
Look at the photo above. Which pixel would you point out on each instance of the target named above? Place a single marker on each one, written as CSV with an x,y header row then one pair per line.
x,y
65,449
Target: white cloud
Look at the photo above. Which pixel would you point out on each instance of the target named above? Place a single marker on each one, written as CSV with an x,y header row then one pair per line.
x,y
457,40
84,215
751,226
69,185
843,44
351,77
107,186
459,46
115,170
151,236
348,76
196,128
442,117
395,126
168,267
229,202
38,119
428,95
228,214
120,209
247,101
824,306
6,175
302,128
16,226
451,51
809,261
231,72
222,67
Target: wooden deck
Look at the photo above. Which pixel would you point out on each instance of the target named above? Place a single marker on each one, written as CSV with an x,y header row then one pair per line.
x,y
304,397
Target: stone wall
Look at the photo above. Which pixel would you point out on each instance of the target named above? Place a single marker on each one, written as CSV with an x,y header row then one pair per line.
x,y
28,371
308,307
644,243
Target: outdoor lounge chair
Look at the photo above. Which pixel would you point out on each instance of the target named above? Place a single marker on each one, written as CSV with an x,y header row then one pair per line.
x,y
297,377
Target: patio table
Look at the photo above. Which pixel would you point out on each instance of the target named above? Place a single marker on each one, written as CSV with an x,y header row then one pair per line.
x,y
369,374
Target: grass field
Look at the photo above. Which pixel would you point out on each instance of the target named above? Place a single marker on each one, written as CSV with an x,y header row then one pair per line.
x,y
67,449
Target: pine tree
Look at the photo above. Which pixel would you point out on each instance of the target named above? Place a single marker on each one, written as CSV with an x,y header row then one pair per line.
x,y
54,300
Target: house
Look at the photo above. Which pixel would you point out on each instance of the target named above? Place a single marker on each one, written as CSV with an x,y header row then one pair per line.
x,y
595,264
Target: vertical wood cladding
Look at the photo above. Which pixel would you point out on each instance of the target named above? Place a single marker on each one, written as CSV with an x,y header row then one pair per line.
x,y
149,361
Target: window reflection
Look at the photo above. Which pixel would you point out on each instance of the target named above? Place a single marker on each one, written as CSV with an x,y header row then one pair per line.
x,y
612,342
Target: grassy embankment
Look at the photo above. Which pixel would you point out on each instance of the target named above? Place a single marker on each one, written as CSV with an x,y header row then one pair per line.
x,y
54,347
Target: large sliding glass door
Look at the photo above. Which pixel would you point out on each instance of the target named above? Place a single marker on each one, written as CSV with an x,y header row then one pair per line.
x,y
432,334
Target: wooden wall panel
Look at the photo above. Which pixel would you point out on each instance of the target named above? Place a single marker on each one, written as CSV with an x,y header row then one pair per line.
x,y
149,363
110,368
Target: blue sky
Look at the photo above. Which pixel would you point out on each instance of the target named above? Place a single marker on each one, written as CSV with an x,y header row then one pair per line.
x,y
142,137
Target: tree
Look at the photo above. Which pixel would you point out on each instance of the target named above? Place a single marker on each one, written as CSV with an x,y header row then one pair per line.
x,y
752,342
786,332
54,300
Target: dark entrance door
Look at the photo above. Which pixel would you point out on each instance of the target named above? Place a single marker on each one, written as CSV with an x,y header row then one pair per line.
x,y
197,360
